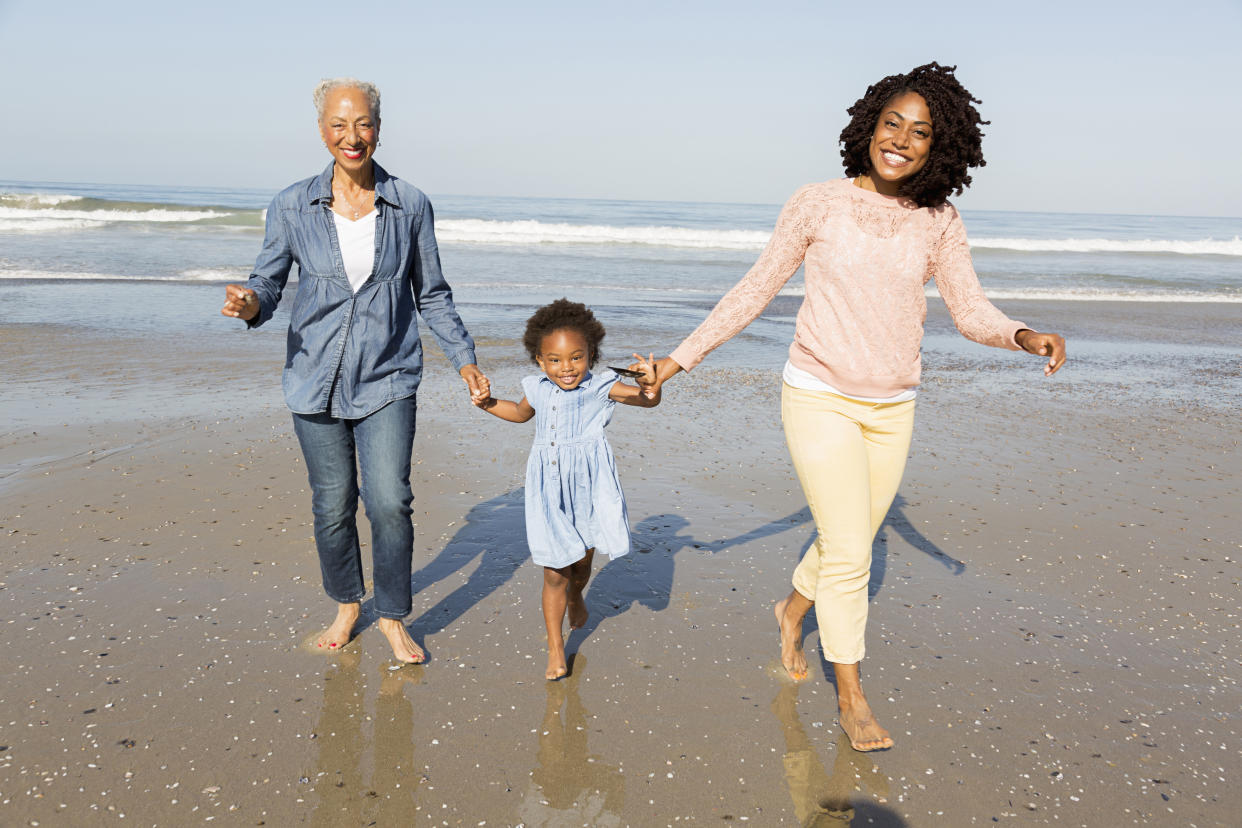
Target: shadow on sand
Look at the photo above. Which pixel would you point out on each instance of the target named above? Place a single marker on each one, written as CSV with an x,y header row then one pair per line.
x,y
494,535
646,575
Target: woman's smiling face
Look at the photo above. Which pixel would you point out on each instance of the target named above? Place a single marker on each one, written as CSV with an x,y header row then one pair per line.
x,y
901,142
348,128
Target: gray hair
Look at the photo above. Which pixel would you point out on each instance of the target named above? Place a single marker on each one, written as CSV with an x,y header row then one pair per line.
x,y
328,84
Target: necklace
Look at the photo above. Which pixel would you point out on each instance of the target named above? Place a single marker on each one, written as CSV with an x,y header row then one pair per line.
x,y
367,196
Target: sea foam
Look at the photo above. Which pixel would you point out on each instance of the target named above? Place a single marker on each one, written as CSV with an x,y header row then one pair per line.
x,y
529,232
28,200
480,231
107,216
1201,247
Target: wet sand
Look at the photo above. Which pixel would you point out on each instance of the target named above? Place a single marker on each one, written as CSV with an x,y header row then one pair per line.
x,y
1053,639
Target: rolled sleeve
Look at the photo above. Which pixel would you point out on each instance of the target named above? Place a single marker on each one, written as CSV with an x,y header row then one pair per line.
x,y
271,268
434,297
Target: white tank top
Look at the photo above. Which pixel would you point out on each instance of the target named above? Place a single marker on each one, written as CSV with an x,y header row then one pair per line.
x,y
357,240
795,376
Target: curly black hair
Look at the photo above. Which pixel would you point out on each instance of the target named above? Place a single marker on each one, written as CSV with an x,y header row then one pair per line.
x,y
563,315
957,140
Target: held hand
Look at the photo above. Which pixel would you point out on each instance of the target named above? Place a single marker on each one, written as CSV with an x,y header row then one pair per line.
x,y
1043,344
240,302
480,388
649,381
666,369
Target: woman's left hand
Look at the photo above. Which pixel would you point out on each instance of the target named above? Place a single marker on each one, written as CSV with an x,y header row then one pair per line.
x,y
1043,344
480,388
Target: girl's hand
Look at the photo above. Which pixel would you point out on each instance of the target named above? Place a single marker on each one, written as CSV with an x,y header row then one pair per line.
x,y
647,394
240,302
649,381
480,388
1043,344
514,412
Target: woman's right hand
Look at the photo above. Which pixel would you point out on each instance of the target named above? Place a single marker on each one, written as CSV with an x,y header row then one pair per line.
x,y
240,302
1043,344
666,369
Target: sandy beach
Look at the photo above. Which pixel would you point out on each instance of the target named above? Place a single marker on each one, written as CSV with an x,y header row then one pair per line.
x,y
1054,619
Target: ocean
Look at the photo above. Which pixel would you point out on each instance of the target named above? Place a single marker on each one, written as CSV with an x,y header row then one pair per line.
x,y
80,232
150,261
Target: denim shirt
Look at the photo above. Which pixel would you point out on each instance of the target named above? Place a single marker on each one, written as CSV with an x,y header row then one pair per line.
x,y
361,348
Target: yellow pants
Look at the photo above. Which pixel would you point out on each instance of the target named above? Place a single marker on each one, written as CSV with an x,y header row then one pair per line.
x,y
849,456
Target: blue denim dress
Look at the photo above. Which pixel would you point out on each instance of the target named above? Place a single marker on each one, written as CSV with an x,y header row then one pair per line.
x,y
573,497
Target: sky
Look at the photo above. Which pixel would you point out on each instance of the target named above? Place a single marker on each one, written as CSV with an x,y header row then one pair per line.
x,y
1125,107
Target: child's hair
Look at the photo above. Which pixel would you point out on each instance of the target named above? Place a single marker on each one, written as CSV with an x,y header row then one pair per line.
x,y
561,315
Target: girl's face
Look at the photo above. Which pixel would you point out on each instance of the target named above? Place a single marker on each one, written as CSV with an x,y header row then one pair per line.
x,y
565,357
901,142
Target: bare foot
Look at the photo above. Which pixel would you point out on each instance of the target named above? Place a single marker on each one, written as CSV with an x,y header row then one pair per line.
x,y
556,661
403,647
338,635
793,659
864,732
578,613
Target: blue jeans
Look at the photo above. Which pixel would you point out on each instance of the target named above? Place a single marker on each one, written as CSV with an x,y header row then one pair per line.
x,y
382,443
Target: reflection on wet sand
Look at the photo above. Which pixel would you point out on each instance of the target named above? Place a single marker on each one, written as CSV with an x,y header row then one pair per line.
x,y
838,799
394,750
351,790
570,786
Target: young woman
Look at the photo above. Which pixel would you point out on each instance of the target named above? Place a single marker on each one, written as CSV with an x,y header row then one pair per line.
x,y
869,243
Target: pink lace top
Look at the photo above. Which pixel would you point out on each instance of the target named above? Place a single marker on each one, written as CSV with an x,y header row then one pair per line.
x,y
867,259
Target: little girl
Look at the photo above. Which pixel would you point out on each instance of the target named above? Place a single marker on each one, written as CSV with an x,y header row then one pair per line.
x,y
574,504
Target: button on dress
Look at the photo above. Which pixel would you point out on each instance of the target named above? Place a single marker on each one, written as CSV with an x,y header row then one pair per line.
x,y
573,496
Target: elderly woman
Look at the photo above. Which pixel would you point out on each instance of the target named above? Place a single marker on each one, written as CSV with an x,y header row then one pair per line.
x,y
869,243
368,266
